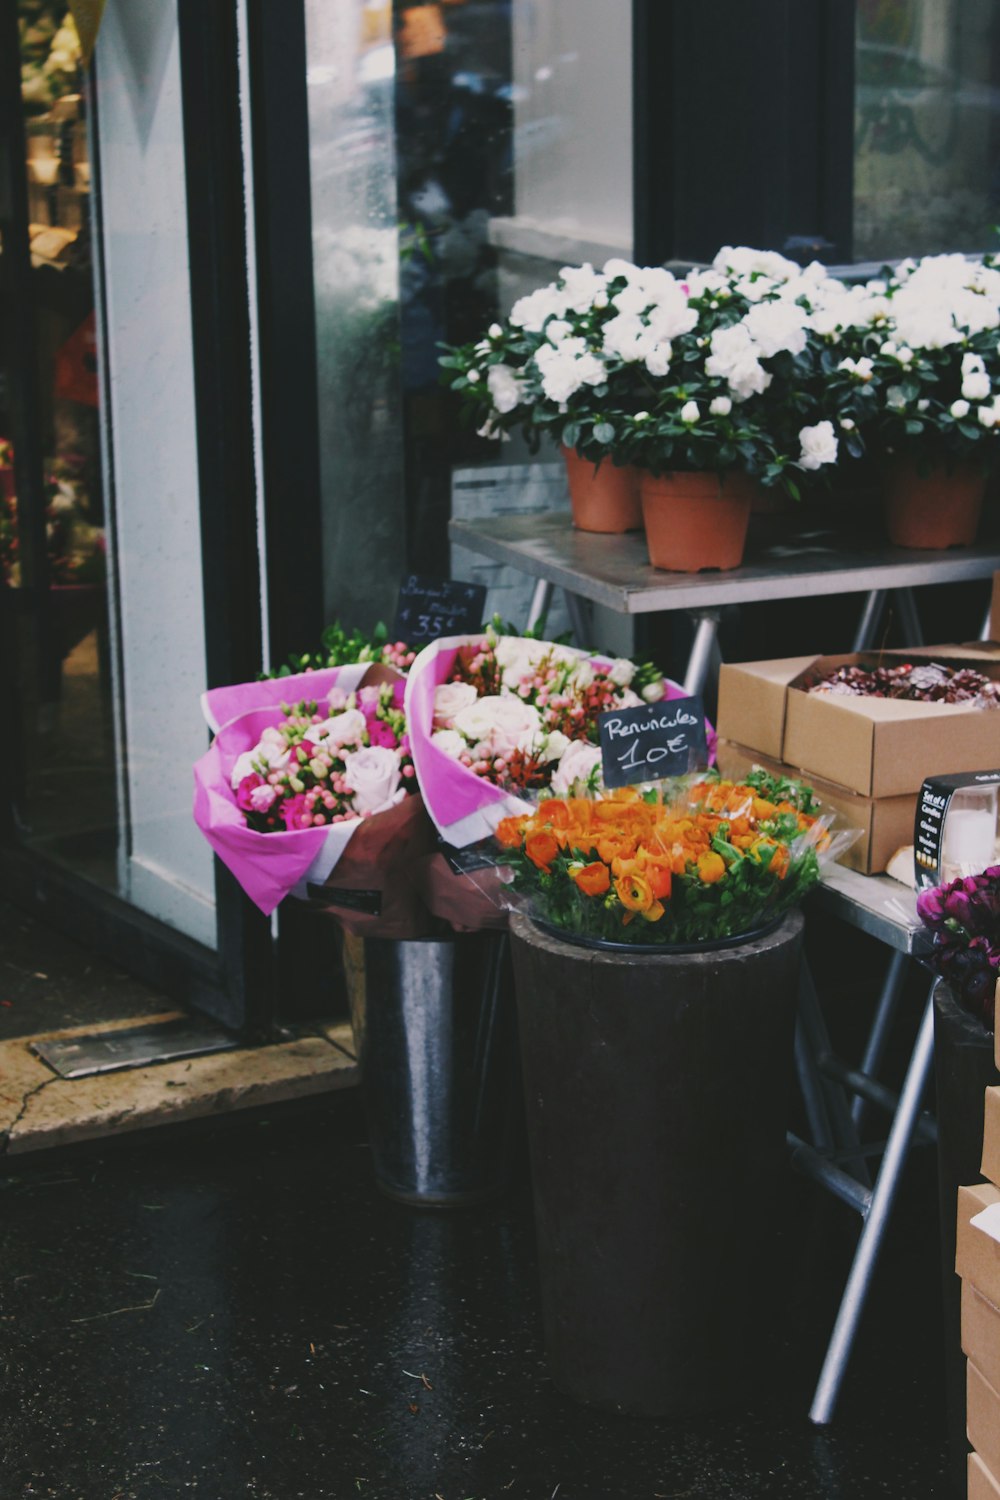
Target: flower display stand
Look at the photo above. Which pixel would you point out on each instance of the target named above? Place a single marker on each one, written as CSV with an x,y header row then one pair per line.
x,y
964,1069
655,1094
434,1026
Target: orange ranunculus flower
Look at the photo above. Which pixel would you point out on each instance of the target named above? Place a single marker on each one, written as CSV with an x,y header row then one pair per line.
x,y
541,847
593,880
711,867
554,812
510,831
780,861
634,892
654,912
762,809
659,877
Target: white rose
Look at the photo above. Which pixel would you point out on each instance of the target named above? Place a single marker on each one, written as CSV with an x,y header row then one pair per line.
x,y
498,725
690,412
343,729
504,388
373,775
555,745
244,767
654,691
449,699
819,446
976,385
621,671
572,775
959,409
721,406
450,741
271,751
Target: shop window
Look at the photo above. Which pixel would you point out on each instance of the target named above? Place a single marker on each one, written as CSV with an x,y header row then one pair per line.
x,y
927,127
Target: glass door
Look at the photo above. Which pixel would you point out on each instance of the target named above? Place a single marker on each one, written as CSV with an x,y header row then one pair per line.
x,y
102,636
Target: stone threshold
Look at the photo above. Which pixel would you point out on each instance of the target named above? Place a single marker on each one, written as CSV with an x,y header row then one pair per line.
x,y
39,1110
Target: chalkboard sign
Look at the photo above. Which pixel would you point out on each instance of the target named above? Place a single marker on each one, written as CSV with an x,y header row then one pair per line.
x,y
652,741
432,607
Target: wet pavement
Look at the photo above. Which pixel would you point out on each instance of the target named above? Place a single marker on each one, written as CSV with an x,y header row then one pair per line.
x,y
234,1310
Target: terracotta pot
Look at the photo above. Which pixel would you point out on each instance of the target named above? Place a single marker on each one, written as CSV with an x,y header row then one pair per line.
x,y
938,509
605,497
696,521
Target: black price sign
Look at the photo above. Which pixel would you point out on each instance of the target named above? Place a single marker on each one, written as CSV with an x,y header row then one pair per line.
x,y
432,607
652,741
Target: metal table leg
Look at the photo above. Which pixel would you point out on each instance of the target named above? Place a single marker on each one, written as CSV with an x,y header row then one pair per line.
x,y
883,1196
878,1036
864,636
579,611
704,650
906,608
541,602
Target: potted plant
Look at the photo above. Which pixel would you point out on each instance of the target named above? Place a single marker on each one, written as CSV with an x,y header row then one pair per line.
x,y
913,379
704,386
965,919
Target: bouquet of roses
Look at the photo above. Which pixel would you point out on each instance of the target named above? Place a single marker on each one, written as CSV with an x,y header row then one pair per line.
x,y
497,721
964,916
715,860
319,790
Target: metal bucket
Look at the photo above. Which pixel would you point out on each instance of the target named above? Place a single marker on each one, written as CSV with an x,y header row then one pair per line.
x,y
434,1024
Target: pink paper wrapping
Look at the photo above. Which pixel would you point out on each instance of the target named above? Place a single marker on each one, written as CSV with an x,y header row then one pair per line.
x,y
219,705
464,807
267,865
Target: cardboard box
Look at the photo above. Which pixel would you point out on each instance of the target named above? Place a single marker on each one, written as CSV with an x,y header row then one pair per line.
x,y
977,1254
982,1418
982,1484
886,823
981,1333
877,747
883,747
752,702
991,1137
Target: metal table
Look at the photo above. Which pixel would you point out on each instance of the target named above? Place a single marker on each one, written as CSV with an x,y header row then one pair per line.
x,y
787,558
837,1157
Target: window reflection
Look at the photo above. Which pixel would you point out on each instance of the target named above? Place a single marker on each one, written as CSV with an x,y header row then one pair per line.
x,y
52,531
927,127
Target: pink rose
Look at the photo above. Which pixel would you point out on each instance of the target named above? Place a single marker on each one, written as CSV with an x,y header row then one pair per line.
x,y
246,789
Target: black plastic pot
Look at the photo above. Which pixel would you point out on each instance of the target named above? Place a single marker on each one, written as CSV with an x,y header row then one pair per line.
x,y
964,1069
655,1092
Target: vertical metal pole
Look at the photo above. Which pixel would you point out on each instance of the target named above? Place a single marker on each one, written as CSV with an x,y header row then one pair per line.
x,y
541,602
892,988
579,617
871,614
906,607
702,649
860,1278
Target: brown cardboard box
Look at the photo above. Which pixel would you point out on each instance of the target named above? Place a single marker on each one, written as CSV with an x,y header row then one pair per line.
x,y
752,702
991,1137
977,1254
886,823
982,1418
876,747
981,1333
982,1484
884,747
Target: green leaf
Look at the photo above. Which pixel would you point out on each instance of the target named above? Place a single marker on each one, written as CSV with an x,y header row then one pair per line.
x,y
603,432
571,434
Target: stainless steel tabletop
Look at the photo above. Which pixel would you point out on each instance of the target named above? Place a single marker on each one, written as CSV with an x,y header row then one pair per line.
x,y
786,558
876,904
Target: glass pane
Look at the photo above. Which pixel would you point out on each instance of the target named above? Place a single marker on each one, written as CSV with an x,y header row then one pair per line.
x,y
461,151
52,529
102,585
927,127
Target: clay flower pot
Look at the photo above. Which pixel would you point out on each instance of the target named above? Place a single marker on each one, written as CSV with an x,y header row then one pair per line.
x,y
604,497
696,521
936,509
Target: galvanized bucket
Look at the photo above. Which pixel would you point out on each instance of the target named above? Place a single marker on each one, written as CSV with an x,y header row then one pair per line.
x,y
434,1025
